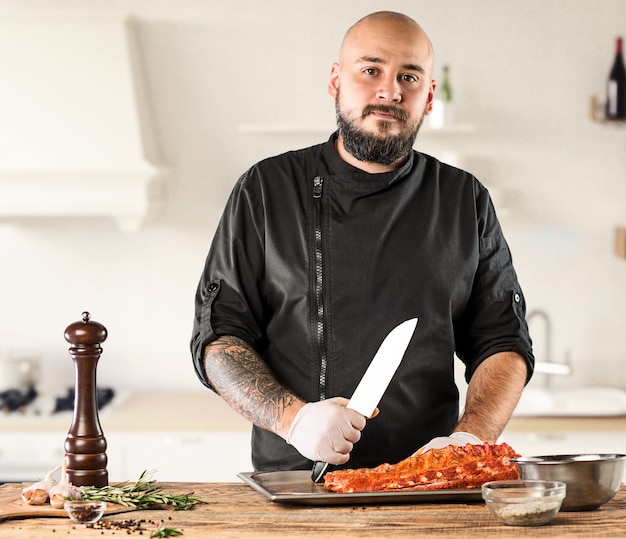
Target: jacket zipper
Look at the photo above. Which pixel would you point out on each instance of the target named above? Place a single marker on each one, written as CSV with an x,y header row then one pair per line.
x,y
320,315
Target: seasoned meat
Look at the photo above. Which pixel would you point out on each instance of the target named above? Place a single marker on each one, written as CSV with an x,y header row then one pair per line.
x,y
453,467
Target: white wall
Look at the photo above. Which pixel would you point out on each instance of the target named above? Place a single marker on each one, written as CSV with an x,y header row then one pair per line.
x,y
523,72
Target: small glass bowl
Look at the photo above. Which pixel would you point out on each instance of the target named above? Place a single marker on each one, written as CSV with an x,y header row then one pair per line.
x,y
85,511
524,502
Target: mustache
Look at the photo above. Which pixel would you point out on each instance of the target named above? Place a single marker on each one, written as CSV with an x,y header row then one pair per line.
x,y
397,113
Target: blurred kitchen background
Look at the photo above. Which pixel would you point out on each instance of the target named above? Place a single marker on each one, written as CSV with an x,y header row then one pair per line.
x,y
125,123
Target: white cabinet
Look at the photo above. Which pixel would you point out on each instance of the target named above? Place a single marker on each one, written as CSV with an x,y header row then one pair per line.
x,y
29,455
174,455
179,455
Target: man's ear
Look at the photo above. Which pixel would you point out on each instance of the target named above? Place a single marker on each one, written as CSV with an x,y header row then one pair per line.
x,y
431,97
333,82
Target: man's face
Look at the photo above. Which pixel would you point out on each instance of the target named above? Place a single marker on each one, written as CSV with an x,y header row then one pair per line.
x,y
382,89
388,142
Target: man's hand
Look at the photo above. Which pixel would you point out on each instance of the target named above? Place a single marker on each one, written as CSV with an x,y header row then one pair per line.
x,y
456,438
326,430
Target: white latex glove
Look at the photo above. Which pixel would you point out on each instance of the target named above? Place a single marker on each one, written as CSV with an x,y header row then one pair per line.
x,y
326,430
456,438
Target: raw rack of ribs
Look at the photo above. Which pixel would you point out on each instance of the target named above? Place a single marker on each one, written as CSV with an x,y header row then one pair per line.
x,y
453,467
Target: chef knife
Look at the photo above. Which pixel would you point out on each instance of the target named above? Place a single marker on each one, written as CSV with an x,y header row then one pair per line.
x,y
377,377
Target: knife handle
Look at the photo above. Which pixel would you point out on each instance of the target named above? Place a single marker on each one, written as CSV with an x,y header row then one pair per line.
x,y
319,469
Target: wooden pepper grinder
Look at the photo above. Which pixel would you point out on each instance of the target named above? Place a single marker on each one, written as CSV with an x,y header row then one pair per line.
x,y
85,445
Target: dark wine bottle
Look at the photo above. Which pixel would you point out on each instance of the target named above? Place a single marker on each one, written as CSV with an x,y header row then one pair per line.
x,y
616,87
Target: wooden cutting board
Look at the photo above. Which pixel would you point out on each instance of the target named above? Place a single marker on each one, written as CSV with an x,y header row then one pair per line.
x,y
12,506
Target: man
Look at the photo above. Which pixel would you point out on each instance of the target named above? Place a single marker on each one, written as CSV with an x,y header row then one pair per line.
x,y
322,251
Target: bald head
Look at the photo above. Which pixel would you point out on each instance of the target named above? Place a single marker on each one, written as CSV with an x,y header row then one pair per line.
x,y
392,29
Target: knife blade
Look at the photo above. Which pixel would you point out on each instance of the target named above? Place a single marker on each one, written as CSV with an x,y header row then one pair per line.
x,y
377,377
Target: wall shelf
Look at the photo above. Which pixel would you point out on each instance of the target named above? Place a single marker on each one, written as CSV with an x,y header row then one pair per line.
x,y
284,129
597,113
320,129
450,129
619,241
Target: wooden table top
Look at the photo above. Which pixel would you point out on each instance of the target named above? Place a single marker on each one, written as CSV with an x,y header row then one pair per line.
x,y
235,510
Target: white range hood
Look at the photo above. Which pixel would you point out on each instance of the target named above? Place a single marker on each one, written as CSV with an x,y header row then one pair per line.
x,y
75,133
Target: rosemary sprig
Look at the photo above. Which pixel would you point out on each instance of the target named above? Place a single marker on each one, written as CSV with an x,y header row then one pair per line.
x,y
143,494
163,531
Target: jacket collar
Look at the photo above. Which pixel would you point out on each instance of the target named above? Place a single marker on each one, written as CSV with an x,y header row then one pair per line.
x,y
338,166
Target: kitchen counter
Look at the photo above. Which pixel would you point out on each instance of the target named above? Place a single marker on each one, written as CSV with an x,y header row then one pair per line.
x,y
553,423
145,410
235,510
203,410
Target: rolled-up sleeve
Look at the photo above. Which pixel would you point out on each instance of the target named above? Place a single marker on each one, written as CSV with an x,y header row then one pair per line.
x,y
228,299
495,316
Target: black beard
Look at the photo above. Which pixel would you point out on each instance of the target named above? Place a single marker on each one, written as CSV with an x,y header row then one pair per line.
x,y
365,146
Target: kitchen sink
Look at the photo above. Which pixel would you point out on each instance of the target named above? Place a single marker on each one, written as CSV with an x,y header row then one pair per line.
x,y
575,401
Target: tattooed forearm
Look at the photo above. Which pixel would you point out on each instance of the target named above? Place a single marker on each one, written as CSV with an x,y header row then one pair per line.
x,y
244,381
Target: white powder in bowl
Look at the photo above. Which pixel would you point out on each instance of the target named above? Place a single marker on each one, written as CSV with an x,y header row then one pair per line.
x,y
532,513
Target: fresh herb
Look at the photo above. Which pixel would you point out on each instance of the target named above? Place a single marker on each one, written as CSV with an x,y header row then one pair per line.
x,y
163,531
143,494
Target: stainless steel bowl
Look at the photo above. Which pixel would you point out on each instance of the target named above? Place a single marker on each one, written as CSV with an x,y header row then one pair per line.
x,y
591,479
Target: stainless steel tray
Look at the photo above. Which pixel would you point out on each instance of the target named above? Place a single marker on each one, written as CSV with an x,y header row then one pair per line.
x,y
296,487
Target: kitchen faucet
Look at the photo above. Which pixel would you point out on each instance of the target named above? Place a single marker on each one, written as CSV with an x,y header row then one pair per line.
x,y
546,366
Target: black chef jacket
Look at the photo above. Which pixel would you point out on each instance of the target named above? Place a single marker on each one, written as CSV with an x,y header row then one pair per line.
x,y
315,261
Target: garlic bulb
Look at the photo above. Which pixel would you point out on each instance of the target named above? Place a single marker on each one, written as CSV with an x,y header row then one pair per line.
x,y
37,493
63,490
